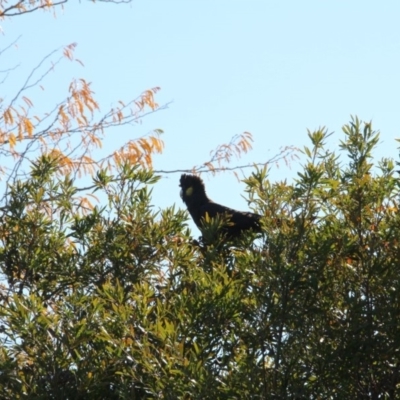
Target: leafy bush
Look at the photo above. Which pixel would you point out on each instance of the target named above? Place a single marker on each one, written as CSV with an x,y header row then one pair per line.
x,y
119,302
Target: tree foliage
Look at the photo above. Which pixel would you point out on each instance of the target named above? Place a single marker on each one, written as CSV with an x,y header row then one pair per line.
x,y
117,302
74,127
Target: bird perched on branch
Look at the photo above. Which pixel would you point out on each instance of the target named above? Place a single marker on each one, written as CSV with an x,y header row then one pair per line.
x,y
201,208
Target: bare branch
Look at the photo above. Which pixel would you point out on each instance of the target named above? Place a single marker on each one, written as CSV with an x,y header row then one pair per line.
x,y
27,84
284,154
21,7
10,45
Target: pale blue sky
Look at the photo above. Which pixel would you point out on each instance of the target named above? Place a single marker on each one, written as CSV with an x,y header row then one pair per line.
x,y
273,68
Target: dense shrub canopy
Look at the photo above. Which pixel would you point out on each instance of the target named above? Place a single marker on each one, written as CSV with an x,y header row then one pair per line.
x,y
117,302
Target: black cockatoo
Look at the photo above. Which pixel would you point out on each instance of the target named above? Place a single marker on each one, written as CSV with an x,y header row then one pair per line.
x,y
200,207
